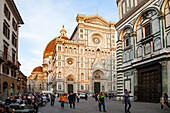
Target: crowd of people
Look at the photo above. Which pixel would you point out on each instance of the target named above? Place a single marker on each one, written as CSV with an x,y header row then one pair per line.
x,y
29,102
32,101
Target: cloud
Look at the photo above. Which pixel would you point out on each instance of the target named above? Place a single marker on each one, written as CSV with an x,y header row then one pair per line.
x,y
29,35
37,52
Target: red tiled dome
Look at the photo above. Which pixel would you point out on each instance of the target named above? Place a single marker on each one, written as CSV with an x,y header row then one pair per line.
x,y
38,69
50,47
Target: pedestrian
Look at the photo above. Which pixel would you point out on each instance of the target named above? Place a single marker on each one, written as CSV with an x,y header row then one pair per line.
x,y
96,98
52,99
101,100
62,99
164,101
2,108
126,101
8,101
106,96
109,96
35,106
71,99
78,98
86,96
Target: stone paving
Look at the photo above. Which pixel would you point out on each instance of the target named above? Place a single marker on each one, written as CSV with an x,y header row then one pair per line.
x,y
90,106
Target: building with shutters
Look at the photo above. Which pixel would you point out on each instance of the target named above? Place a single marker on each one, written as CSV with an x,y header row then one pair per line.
x,y
10,20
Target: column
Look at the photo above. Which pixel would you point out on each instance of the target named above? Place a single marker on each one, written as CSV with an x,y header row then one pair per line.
x,y
135,74
164,67
168,74
90,85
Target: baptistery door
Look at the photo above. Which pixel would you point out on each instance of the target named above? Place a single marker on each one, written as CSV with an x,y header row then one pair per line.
x,y
149,84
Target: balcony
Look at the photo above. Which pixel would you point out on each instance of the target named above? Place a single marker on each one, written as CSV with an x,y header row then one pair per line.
x,y
7,58
3,57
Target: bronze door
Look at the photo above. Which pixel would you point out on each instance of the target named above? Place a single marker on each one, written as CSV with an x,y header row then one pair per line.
x,y
70,88
97,87
149,85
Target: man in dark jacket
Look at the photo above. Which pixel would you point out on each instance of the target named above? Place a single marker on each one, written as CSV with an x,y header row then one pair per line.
x,y
71,99
52,99
8,101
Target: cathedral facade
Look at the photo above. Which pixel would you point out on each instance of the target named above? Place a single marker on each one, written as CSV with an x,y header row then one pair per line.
x,y
143,49
86,62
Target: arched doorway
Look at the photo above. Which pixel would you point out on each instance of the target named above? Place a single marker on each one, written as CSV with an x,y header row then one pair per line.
x,y
70,81
12,89
97,76
5,90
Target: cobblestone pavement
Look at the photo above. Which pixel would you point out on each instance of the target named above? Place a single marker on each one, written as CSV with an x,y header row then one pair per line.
x,y
91,106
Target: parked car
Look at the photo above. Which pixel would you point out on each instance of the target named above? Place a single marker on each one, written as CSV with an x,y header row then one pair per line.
x,y
82,95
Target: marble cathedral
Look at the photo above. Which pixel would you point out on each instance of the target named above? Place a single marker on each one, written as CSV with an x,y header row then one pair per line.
x,y
85,62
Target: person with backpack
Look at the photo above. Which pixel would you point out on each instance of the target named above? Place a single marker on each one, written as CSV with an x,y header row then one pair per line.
x,y
101,100
164,101
62,99
126,101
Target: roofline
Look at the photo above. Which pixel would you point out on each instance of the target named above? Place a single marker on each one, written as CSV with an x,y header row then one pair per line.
x,y
74,32
22,73
15,11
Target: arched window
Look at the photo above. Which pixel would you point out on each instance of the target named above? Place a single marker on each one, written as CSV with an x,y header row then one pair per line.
x,y
145,23
126,37
65,49
59,74
82,76
167,16
12,89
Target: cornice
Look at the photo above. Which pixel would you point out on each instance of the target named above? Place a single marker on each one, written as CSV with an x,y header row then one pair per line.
x,y
15,11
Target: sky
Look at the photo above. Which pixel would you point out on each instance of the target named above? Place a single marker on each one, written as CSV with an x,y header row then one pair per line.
x,y
43,20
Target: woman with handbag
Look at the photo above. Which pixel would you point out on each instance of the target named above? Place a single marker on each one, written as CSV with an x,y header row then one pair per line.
x,y
164,101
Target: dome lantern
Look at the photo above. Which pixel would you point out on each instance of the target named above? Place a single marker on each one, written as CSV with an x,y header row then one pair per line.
x,y
63,32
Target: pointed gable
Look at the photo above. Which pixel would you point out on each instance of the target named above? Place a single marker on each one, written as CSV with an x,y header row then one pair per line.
x,y
96,19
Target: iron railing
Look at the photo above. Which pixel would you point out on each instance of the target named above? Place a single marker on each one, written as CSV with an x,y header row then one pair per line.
x,y
8,57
